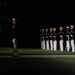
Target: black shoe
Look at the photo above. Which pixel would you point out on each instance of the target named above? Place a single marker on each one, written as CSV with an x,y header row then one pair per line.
x,y
15,55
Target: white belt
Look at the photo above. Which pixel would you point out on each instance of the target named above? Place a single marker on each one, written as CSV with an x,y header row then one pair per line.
x,y
71,35
50,36
53,36
67,35
61,36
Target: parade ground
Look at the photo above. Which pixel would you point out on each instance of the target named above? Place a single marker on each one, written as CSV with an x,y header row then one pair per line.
x,y
37,61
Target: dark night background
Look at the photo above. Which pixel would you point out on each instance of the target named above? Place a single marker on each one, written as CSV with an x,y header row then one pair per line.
x,y
33,15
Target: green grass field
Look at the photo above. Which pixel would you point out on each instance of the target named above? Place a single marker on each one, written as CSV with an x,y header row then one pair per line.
x,y
35,51
51,66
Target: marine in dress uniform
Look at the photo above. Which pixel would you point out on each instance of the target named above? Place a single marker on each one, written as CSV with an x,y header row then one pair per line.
x,y
72,37
42,33
47,39
67,38
54,39
61,38
13,34
51,39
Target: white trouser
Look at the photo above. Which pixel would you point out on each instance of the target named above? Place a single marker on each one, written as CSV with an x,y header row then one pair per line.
x,y
67,45
14,41
43,44
51,45
72,45
55,45
47,44
61,45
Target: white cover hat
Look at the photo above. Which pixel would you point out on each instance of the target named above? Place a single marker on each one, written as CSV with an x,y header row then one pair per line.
x,y
67,27
71,26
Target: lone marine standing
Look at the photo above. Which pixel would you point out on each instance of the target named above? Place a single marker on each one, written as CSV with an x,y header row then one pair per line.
x,y
61,40
13,34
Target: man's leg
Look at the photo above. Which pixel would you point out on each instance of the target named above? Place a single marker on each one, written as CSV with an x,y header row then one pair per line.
x,y
62,48
43,44
55,45
51,45
67,45
47,44
72,45
15,46
61,45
